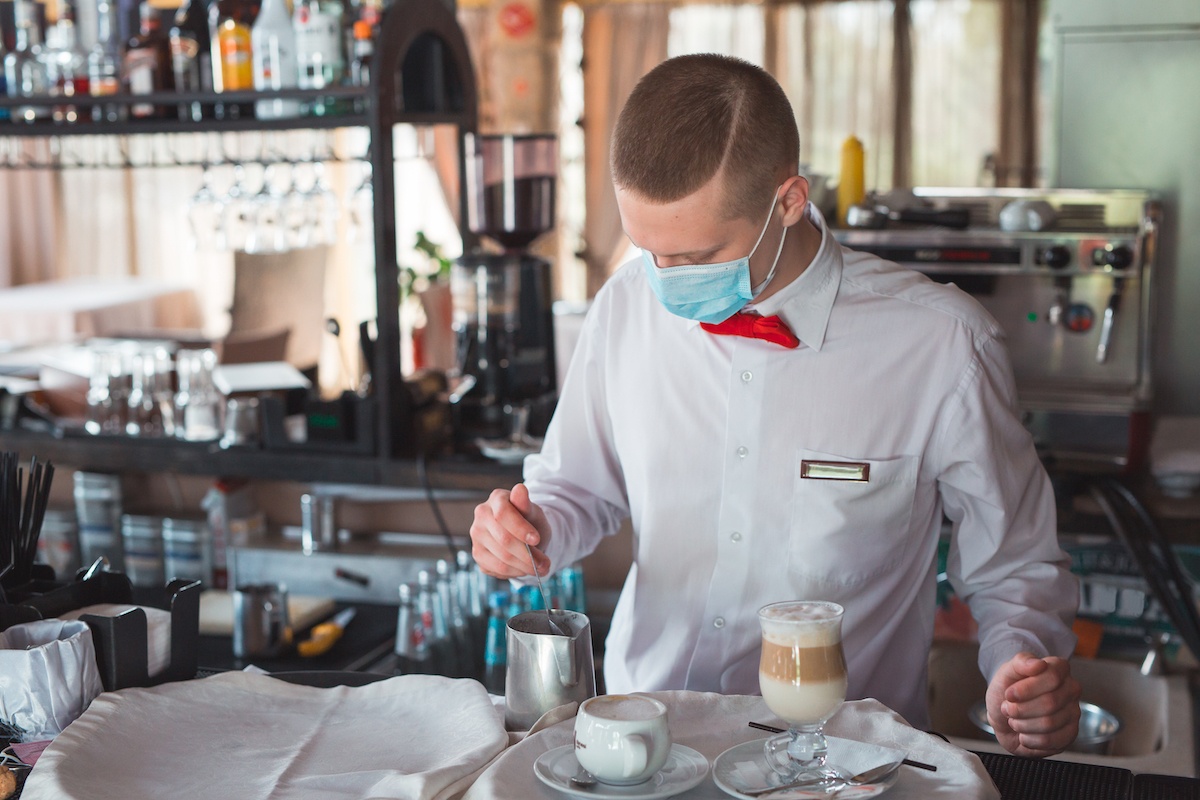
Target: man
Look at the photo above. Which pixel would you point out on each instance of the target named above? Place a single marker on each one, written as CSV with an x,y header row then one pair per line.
x,y
815,462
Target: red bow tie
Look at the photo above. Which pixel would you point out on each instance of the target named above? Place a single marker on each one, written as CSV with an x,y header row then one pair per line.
x,y
772,329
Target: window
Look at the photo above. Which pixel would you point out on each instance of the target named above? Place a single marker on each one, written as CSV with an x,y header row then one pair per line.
x,y
918,81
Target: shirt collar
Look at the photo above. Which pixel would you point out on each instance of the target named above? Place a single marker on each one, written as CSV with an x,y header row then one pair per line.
x,y
806,303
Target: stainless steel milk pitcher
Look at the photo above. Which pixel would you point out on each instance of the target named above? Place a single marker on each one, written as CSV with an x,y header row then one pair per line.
x,y
545,669
261,628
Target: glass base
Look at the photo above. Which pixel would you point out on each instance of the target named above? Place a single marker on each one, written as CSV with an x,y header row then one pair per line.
x,y
799,755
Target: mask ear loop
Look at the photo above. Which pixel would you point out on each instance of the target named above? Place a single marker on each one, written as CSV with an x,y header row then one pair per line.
x,y
755,291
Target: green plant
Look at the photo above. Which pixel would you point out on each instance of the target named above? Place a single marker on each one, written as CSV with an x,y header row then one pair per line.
x,y
435,269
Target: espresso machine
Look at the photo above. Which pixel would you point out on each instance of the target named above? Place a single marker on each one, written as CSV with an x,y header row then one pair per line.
x,y
1067,273
503,317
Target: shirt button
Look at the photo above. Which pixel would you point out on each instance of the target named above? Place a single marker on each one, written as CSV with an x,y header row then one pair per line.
x,y
747,376
719,622
742,452
737,537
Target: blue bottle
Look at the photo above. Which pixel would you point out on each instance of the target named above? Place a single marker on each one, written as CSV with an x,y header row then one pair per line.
x,y
495,655
574,595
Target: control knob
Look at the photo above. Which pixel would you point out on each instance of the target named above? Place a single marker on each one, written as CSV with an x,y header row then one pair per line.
x,y
1118,257
1056,256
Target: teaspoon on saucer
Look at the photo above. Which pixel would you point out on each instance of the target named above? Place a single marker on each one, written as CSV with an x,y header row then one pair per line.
x,y
872,775
583,779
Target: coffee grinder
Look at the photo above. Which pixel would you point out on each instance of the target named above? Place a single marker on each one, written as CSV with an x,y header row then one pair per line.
x,y
503,318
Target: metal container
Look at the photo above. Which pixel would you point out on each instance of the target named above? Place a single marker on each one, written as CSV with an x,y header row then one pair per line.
x,y
261,628
1098,728
318,527
546,670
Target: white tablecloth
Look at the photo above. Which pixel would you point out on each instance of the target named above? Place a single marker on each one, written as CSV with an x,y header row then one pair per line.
x,y
252,737
68,310
712,723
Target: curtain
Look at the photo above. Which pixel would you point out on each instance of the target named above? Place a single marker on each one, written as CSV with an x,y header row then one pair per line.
x,y
29,201
621,43
836,63
956,109
1017,156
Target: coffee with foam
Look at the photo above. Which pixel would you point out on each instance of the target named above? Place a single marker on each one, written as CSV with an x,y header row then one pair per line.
x,y
622,739
802,673
623,706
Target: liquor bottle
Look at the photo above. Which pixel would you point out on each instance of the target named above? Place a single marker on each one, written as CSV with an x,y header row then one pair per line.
x,y
66,65
233,60
4,116
360,59
191,57
461,656
433,621
147,64
473,608
495,655
318,25
104,64
412,649
24,72
273,40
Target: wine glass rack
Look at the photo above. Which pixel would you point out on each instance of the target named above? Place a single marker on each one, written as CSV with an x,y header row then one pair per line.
x,y
421,75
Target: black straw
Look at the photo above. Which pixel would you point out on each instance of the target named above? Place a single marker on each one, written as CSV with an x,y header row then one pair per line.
x,y
22,511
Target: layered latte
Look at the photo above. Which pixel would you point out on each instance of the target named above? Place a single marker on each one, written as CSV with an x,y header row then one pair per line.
x,y
802,673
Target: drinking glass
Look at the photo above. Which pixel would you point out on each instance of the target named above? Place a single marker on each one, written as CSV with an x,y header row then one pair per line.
x,y
204,211
802,676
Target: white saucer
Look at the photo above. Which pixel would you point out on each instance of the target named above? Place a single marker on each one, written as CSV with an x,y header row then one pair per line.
x,y
726,770
684,769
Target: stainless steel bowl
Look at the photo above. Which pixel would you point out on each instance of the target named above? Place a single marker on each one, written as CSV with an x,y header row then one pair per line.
x,y
1098,728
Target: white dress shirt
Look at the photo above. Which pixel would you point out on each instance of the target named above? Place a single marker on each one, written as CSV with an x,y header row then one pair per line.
x,y
700,439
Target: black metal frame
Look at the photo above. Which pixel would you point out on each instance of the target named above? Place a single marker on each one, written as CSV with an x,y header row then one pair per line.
x,y
421,75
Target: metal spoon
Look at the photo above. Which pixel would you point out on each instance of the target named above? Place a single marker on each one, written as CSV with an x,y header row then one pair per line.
x,y
554,626
583,779
872,775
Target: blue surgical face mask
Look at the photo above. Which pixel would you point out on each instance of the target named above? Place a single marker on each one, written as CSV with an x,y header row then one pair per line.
x,y
710,292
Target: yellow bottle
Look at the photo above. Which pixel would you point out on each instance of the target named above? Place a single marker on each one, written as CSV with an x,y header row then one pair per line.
x,y
851,190
237,66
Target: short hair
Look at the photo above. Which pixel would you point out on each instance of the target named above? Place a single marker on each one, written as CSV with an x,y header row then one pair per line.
x,y
694,116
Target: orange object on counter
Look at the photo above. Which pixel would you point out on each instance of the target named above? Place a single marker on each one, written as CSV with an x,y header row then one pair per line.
x,y
1089,634
852,181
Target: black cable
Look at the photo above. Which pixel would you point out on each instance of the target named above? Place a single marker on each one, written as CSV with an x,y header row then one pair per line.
x,y
1136,529
423,474
1175,581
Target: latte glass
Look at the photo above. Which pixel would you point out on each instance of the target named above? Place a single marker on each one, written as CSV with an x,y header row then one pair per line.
x,y
802,676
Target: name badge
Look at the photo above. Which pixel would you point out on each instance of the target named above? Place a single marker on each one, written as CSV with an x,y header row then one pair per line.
x,y
836,471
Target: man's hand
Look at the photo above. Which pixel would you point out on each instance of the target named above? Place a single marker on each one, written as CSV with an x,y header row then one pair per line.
x,y
501,529
1033,705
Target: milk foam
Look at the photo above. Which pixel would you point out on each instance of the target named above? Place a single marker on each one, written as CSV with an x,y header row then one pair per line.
x,y
797,625
623,706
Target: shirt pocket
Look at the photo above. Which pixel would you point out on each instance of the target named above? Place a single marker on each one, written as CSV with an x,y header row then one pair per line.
x,y
847,531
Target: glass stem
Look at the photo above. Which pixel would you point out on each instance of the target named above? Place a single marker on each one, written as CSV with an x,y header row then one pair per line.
x,y
808,746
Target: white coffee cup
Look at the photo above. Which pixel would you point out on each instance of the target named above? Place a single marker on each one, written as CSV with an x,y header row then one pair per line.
x,y
622,739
